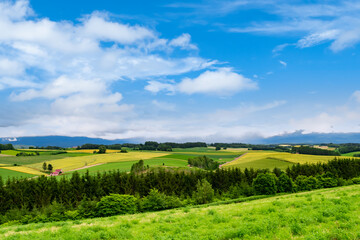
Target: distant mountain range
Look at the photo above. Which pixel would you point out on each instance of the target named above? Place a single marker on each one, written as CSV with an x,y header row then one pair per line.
x,y
311,138
297,137
61,141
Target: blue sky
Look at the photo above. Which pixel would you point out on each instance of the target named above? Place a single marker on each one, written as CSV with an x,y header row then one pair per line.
x,y
180,71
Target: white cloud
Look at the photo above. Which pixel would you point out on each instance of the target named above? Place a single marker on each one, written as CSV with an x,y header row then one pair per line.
x,y
63,86
65,69
15,11
183,42
283,63
356,96
164,105
98,27
221,82
155,87
322,122
10,68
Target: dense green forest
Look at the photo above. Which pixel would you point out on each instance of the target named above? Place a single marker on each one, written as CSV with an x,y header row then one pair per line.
x,y
349,147
6,146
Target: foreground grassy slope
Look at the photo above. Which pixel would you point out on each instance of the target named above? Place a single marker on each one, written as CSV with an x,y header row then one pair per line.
x,y
322,214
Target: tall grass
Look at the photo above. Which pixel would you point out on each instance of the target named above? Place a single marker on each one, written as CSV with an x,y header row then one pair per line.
x,y
322,214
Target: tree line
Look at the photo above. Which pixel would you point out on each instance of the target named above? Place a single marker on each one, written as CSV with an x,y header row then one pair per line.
x,y
314,151
273,147
8,146
148,145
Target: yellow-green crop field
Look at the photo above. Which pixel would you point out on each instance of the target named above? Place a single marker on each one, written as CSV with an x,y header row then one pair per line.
x,y
91,151
67,164
270,159
24,169
79,159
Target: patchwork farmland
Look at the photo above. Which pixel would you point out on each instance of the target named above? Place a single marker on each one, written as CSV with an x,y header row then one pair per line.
x,y
84,160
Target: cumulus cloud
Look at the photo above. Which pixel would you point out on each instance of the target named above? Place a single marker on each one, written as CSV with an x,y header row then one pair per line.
x,y
183,41
69,69
222,82
15,11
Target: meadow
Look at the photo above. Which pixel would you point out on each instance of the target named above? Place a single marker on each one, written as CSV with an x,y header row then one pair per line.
x,y
5,173
350,154
269,159
320,214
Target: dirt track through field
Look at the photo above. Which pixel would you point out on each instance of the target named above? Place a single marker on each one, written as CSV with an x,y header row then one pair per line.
x,y
86,167
232,160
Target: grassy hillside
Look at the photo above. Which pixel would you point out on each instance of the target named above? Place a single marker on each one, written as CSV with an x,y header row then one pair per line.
x,y
322,214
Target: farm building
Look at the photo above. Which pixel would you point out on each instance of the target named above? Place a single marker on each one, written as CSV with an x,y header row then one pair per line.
x,y
56,173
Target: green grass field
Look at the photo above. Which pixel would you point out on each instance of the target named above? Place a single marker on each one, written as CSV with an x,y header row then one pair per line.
x,y
6,173
350,154
269,163
126,166
321,214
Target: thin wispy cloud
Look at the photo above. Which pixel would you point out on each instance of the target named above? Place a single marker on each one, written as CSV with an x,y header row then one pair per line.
x,y
283,63
316,23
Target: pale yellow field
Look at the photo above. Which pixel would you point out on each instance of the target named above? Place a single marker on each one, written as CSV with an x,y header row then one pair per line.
x,y
25,170
91,151
234,150
252,156
71,163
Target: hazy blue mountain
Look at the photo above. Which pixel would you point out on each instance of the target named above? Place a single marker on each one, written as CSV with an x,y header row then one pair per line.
x,y
61,141
312,138
295,137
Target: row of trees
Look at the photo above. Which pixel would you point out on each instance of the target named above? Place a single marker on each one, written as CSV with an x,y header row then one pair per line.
x,y
349,147
6,147
27,154
314,151
48,148
47,167
149,145
273,147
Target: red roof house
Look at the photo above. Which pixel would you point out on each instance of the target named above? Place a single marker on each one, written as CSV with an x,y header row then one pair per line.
x,y
56,173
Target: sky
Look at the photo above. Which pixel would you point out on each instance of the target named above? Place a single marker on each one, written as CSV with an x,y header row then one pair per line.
x,y
214,71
